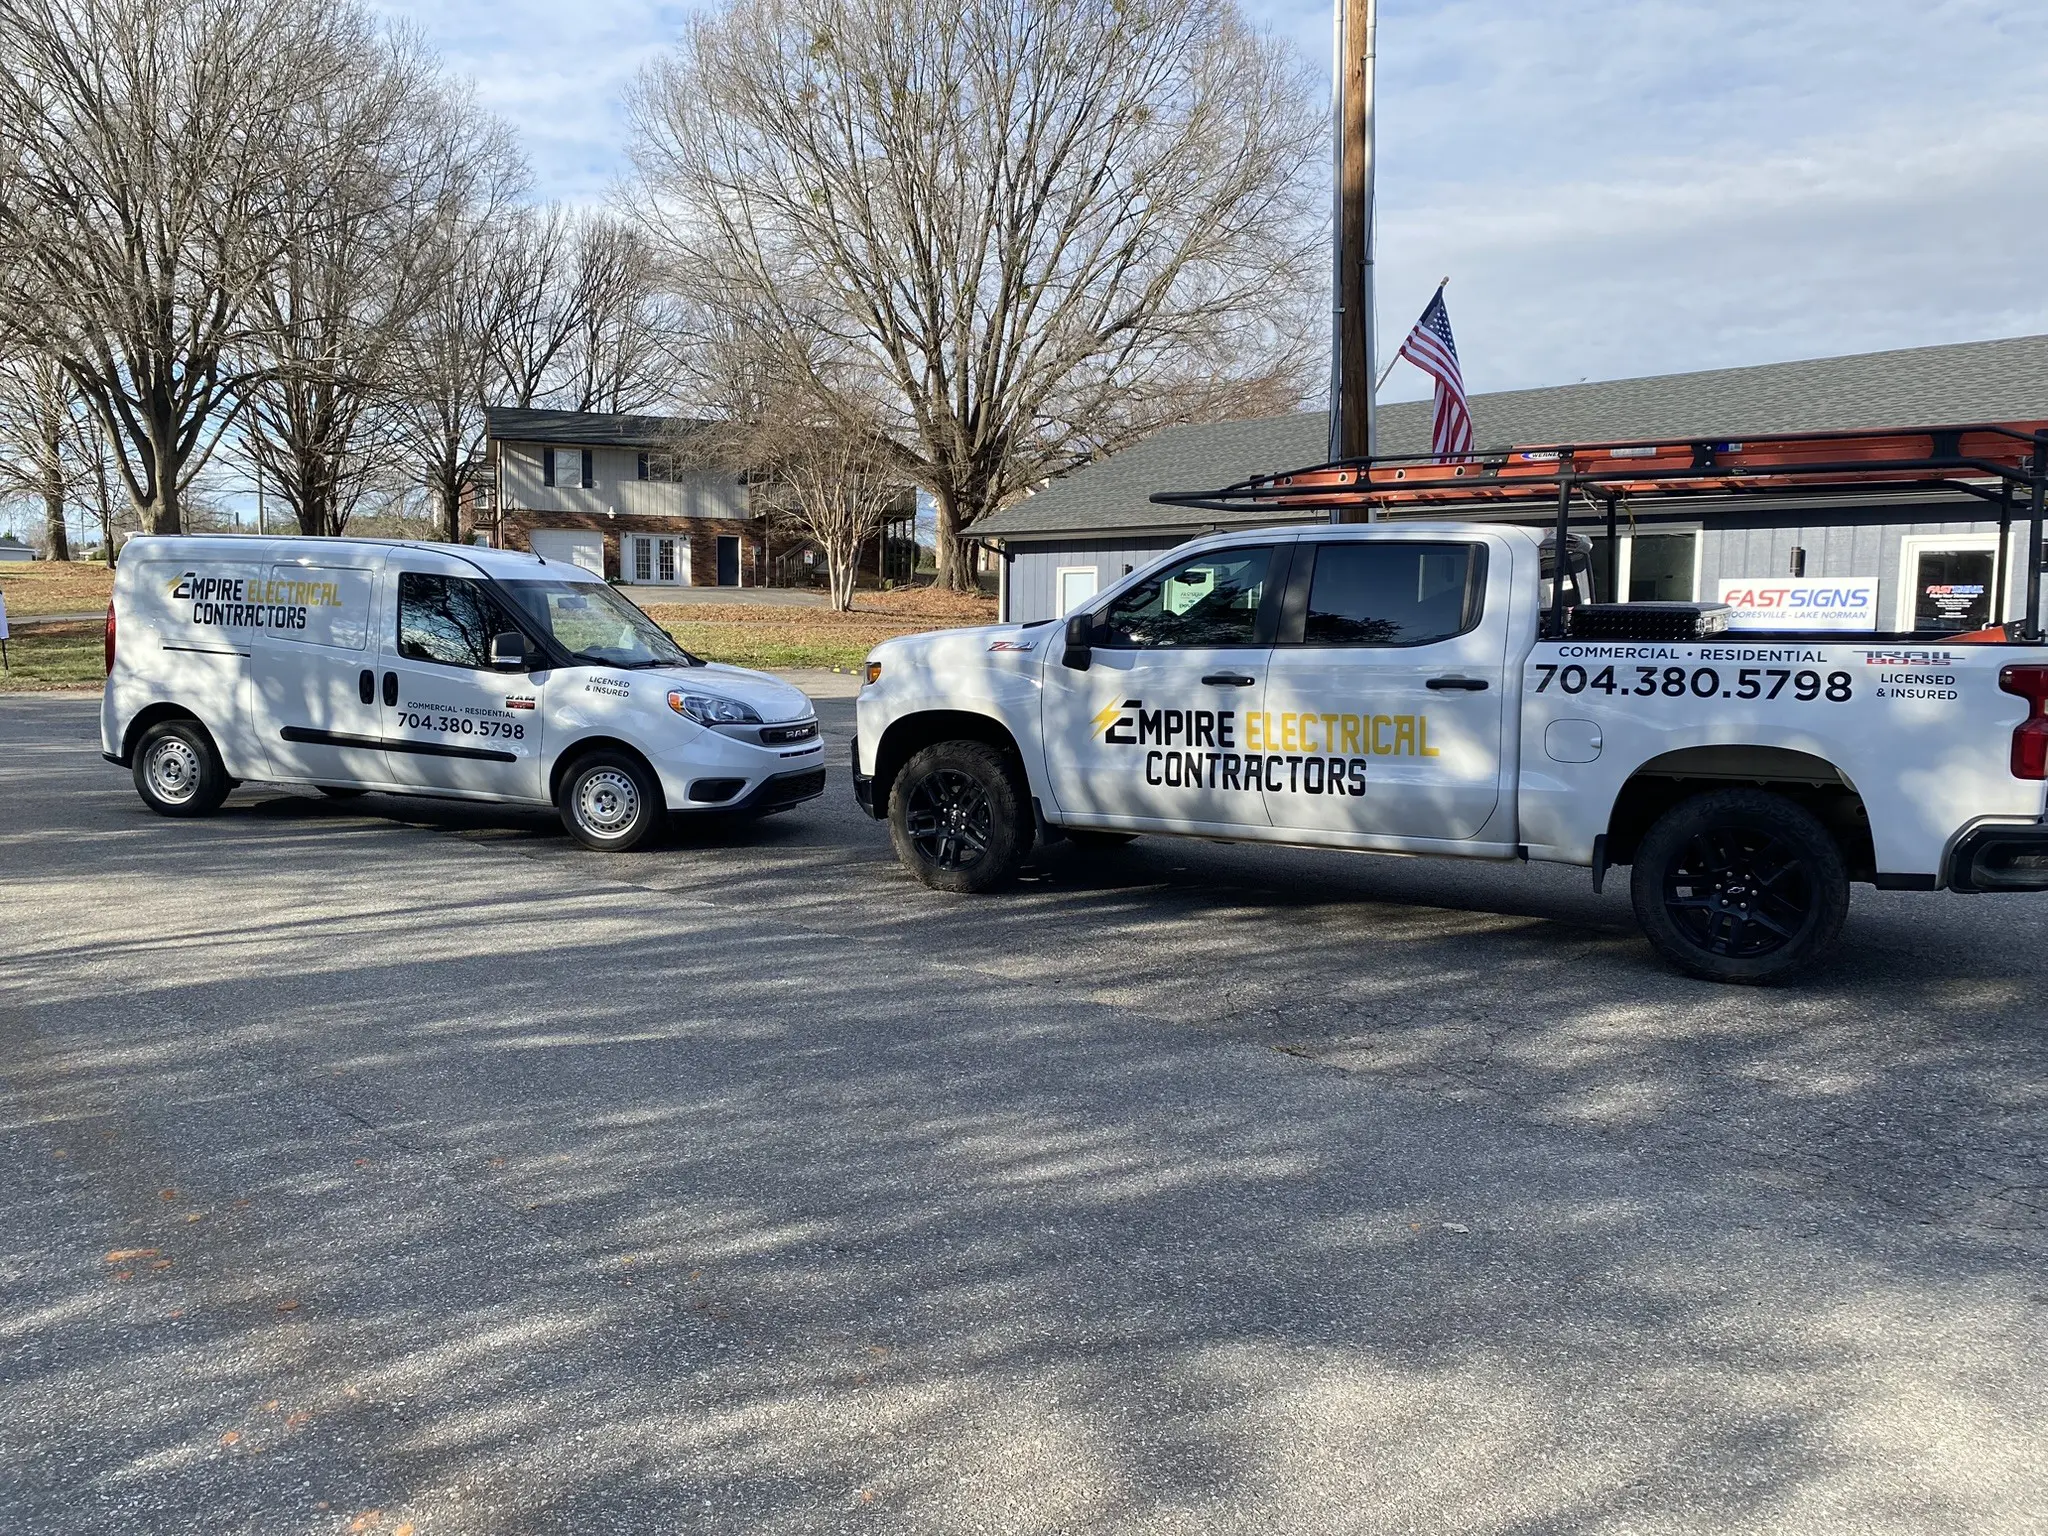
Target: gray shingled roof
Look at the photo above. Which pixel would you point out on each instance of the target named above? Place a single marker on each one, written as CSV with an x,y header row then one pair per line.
x,y
586,429
1919,386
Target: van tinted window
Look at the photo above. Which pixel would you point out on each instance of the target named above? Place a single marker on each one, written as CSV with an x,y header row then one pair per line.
x,y
447,619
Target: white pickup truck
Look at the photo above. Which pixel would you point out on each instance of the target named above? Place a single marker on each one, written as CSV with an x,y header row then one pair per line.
x,y
1382,687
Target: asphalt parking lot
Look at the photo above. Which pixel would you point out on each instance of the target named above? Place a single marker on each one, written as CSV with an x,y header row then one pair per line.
x,y
396,1164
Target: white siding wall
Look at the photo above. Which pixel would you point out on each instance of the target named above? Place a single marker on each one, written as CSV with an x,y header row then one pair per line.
x,y
615,485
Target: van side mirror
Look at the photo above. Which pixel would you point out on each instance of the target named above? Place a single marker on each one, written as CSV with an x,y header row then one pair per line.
x,y
508,651
1080,642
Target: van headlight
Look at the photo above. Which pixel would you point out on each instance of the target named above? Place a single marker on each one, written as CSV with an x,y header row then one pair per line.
x,y
710,709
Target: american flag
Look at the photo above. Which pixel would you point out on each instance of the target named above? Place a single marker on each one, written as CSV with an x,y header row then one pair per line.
x,y
1430,348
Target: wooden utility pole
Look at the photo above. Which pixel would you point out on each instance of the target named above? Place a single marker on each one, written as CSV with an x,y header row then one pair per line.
x,y
1352,362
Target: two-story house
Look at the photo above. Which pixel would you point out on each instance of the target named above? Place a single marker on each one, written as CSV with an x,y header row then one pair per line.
x,y
618,495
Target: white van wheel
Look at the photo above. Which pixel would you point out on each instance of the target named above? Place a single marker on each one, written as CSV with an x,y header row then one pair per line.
x,y
610,802
178,772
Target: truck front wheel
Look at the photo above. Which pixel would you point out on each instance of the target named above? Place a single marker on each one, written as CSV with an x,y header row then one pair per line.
x,y
1739,885
958,816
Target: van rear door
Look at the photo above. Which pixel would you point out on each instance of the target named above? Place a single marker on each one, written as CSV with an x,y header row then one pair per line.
x,y
315,703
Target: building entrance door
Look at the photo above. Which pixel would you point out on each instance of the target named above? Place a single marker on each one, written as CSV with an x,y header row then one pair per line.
x,y
1947,584
728,560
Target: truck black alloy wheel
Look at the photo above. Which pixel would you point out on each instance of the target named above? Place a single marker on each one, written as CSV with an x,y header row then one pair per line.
x,y
1739,885
956,816
610,802
178,771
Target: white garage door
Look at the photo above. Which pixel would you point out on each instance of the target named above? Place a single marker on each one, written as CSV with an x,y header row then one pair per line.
x,y
571,547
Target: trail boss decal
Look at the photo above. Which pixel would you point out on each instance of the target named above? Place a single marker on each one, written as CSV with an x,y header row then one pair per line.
x,y
1283,752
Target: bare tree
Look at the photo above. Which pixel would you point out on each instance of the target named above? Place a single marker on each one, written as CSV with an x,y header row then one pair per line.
x,y
390,156
581,326
620,352
145,204
38,410
452,354
1046,226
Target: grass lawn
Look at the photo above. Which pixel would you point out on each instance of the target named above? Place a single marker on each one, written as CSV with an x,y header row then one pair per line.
x,y
816,637
55,586
55,656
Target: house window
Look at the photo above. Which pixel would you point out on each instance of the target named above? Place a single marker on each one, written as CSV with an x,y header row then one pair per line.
x,y
667,566
587,479
643,560
547,466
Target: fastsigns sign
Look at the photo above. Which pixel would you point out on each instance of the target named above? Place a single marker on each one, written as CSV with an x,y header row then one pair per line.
x,y
1801,602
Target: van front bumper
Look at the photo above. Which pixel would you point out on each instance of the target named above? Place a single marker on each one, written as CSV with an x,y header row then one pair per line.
x,y
721,796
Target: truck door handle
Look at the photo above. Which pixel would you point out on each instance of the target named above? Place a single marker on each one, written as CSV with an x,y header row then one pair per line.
x,y
1460,684
1229,680
391,689
366,686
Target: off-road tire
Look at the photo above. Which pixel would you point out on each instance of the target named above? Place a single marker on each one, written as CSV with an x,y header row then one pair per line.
x,y
960,817
1739,885
178,771
610,802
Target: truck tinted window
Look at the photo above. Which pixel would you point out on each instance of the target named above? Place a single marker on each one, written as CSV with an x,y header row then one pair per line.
x,y
1211,600
447,619
1392,593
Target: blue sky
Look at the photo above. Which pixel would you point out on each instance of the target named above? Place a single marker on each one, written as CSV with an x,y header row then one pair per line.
x,y
1613,188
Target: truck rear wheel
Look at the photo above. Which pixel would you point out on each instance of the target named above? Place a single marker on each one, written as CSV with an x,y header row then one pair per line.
x,y
958,816
178,771
610,802
1740,886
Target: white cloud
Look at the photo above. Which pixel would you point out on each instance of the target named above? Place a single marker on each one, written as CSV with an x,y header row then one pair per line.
x,y
1614,186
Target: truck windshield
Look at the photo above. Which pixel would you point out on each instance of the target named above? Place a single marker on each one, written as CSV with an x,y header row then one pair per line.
x,y
594,624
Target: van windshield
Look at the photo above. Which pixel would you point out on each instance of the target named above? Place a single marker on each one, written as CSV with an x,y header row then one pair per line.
x,y
596,625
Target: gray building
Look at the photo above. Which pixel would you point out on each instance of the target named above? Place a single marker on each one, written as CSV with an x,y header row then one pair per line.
x,y
1088,529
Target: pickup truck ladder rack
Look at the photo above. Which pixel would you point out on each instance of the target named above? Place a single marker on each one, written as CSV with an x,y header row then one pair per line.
x,y
1985,462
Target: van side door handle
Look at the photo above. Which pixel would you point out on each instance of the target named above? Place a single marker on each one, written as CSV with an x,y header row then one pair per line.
x,y
1459,684
391,689
366,686
1229,680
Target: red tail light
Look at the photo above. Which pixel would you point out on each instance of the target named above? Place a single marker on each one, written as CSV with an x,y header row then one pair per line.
x,y
2030,736
110,639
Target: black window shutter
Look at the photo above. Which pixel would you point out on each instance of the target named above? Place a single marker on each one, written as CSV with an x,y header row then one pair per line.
x,y
643,466
547,466
587,457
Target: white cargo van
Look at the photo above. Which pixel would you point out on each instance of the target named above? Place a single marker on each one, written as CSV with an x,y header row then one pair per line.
x,y
431,669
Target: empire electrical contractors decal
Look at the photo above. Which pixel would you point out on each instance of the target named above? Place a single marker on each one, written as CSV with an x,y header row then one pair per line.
x,y
252,602
1285,752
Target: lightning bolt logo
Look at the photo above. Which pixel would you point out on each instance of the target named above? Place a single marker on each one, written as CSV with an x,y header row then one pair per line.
x,y
1107,717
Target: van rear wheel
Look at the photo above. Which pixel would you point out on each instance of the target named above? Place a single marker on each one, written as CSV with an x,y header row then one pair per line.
x,y
1739,885
610,802
178,771
959,817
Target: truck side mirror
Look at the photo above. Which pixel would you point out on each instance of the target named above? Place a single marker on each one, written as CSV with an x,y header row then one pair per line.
x,y
1080,640
508,651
